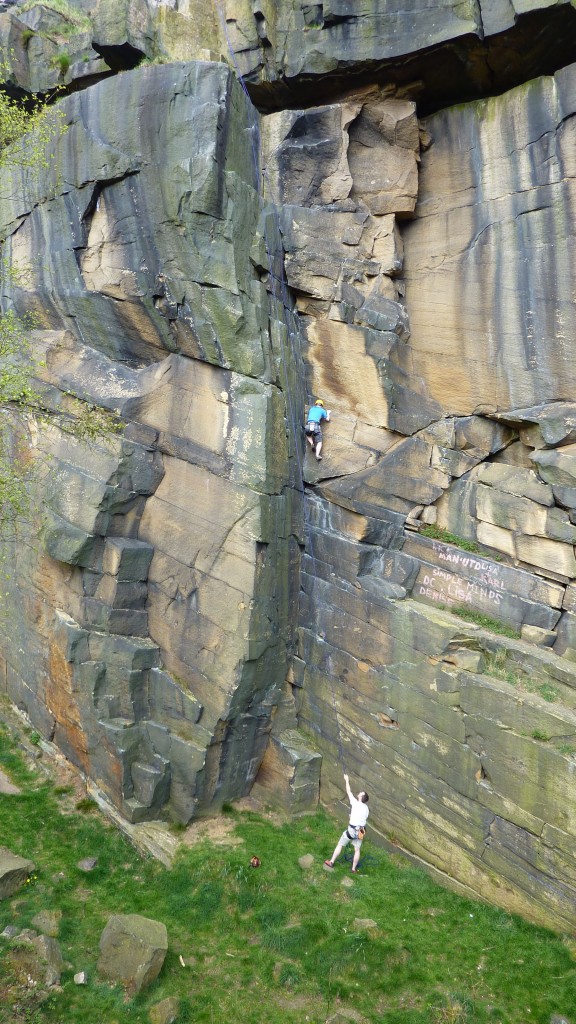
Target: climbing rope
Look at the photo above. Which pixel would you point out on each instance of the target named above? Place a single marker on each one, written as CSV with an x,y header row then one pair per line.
x,y
281,298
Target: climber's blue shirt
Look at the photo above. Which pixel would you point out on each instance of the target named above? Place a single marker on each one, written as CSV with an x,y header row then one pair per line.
x,y
317,414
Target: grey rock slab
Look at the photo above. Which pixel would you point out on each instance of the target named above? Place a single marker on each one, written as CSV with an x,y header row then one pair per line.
x,y
87,864
66,542
346,1016
565,644
483,572
548,555
170,704
456,199
405,472
557,466
470,661
555,422
538,635
151,782
305,153
522,482
306,861
363,924
50,960
523,516
127,559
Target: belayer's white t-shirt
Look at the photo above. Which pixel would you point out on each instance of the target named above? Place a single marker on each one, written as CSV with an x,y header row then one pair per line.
x,y
359,813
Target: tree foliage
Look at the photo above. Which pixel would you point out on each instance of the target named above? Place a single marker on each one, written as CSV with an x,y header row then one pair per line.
x,y
28,134
17,392
27,131
27,137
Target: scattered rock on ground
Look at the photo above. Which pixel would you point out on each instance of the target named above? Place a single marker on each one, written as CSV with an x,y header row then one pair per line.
x,y
165,1012
362,924
48,922
6,787
87,864
344,1016
306,861
81,978
10,932
14,871
50,961
132,951
38,958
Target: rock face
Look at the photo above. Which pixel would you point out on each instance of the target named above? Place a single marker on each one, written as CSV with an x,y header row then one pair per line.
x,y
288,50
480,451
162,587
505,320
201,606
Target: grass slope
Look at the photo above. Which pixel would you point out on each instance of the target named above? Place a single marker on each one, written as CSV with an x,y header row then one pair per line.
x,y
273,945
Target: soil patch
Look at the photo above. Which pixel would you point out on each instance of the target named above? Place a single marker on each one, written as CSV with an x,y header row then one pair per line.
x,y
219,831
7,787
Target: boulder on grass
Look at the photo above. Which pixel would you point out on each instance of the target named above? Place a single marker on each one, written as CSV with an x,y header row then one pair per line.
x,y
14,871
50,962
48,922
132,951
165,1012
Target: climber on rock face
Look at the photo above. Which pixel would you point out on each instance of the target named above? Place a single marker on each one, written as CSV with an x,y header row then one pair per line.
x,y
356,829
316,414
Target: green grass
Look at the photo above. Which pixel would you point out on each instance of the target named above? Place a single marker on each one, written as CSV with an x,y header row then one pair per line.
x,y
276,945
486,621
63,62
86,804
499,664
79,19
548,693
439,533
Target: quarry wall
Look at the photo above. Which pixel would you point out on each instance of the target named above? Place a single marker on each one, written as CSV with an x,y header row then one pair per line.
x,y
196,607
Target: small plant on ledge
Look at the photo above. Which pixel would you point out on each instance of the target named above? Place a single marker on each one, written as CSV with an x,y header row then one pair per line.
x,y
485,621
439,533
62,61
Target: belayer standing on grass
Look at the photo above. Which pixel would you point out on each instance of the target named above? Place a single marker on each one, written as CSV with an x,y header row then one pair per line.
x,y
316,414
356,829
